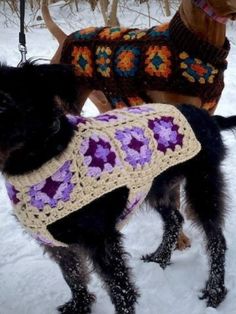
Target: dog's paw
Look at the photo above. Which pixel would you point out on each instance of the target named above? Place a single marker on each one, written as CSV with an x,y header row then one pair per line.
x,y
213,295
125,302
160,257
183,242
126,311
76,306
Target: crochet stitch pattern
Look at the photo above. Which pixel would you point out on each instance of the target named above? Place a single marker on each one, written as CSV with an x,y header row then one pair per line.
x,y
126,63
128,147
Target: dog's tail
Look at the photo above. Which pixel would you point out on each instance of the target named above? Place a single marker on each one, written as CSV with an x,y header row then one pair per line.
x,y
51,25
225,123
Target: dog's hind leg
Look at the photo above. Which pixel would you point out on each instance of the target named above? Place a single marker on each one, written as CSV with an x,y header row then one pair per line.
x,y
109,261
204,191
75,274
162,198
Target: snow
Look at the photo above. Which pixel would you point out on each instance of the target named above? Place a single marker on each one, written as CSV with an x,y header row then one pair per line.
x,y
30,283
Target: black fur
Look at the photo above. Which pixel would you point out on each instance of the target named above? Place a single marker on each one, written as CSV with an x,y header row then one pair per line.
x,y
33,129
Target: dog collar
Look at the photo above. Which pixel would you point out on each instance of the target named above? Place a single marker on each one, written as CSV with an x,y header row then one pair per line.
x,y
209,10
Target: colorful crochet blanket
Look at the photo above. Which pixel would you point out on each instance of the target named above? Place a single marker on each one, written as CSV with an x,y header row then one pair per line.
x,y
125,63
128,147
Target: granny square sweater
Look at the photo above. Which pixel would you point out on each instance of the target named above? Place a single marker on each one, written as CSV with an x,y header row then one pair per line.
x,y
124,63
128,147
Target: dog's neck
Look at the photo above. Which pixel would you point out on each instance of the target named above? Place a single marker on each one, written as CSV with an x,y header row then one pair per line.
x,y
39,150
198,21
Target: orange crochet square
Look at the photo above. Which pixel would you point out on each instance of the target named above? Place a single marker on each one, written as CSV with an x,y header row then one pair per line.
x,y
111,33
158,61
82,59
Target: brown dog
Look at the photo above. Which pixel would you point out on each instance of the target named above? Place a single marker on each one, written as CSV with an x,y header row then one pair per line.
x,y
204,30
182,62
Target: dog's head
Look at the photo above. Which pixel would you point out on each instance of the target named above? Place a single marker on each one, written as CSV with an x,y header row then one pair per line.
x,y
226,8
32,99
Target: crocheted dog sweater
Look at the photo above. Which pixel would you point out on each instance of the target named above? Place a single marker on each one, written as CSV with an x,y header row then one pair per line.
x,y
125,63
128,147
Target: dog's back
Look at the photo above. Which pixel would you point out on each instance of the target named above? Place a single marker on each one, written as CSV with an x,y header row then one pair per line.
x,y
127,63
124,63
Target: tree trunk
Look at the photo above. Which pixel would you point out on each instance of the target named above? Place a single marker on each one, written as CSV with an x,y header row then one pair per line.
x,y
113,19
110,18
104,10
167,7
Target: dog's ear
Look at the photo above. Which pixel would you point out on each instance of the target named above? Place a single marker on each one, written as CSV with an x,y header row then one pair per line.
x,y
56,80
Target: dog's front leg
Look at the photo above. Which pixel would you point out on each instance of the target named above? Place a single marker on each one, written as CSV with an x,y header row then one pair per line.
x,y
76,275
110,263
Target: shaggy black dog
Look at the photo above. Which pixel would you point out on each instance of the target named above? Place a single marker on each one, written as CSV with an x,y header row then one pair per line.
x,y
34,128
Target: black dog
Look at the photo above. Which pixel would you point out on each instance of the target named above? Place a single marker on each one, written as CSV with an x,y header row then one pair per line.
x,y
34,129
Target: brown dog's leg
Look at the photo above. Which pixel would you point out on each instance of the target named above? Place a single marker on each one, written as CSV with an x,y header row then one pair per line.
x,y
183,242
100,101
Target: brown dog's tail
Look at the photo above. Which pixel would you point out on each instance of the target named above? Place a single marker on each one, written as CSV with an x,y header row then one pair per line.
x,y
51,25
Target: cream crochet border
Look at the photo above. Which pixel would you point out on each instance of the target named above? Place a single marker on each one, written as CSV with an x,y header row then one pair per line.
x,y
138,180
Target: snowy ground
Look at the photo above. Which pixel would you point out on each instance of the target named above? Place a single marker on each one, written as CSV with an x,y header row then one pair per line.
x,y
31,284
